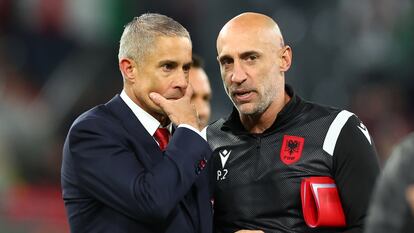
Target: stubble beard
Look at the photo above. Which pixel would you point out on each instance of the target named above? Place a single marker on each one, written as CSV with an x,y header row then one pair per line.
x,y
261,104
254,108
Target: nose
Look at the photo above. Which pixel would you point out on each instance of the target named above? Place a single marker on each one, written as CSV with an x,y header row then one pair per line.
x,y
239,74
181,81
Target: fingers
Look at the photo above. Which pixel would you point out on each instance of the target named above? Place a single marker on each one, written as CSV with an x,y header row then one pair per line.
x,y
179,111
157,98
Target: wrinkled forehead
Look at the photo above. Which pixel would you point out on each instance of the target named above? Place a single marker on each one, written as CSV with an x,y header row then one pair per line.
x,y
233,40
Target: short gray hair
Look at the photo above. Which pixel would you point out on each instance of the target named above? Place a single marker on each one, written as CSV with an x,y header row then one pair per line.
x,y
139,34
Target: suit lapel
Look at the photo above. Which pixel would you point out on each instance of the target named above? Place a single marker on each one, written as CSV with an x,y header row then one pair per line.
x,y
133,126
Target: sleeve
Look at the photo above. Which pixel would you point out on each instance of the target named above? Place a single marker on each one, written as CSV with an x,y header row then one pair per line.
x,y
110,169
355,169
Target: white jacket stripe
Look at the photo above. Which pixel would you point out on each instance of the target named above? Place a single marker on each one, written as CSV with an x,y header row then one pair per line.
x,y
334,130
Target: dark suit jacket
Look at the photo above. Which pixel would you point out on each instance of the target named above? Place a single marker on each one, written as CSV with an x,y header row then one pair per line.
x,y
115,178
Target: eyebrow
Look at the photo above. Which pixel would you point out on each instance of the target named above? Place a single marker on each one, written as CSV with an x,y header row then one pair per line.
x,y
249,53
188,64
160,63
242,55
167,62
224,57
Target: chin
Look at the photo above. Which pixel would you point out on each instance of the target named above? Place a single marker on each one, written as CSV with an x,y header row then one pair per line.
x,y
157,110
250,109
245,110
161,112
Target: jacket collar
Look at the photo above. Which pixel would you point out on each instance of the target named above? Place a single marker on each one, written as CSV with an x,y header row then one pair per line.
x,y
131,124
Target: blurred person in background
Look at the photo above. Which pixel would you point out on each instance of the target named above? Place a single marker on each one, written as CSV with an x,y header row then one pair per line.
x,y
385,107
410,198
201,90
390,209
273,140
121,169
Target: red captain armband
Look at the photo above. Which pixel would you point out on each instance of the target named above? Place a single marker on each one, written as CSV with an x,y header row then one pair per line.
x,y
321,204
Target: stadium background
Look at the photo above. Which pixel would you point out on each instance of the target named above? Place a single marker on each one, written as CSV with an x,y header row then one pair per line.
x,y
58,58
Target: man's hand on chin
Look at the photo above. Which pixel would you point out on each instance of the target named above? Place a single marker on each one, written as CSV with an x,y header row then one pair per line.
x,y
179,111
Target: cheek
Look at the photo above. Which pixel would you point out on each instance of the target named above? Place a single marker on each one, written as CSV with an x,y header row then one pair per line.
x,y
158,85
206,105
227,89
203,108
198,103
225,75
143,90
156,81
208,108
227,80
166,86
274,69
265,75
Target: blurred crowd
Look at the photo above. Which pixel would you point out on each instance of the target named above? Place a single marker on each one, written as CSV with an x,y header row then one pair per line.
x,y
58,58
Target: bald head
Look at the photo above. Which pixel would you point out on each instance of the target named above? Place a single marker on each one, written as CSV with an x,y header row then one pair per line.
x,y
251,23
253,60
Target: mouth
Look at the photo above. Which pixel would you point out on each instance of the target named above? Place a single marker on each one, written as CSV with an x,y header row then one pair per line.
x,y
242,95
175,96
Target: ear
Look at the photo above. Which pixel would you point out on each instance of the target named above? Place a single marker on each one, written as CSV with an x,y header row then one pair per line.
x,y
127,67
286,58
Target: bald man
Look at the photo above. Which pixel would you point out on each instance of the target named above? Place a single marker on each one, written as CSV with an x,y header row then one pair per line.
x,y
273,139
201,90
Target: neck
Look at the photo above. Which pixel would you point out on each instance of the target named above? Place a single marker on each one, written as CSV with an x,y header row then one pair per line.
x,y
258,123
160,116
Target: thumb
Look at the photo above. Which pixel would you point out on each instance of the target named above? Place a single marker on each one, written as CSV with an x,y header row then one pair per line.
x,y
157,98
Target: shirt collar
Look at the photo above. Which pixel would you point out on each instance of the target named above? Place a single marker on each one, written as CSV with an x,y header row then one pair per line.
x,y
149,122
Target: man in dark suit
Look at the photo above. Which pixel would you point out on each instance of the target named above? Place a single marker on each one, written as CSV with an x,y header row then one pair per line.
x,y
118,172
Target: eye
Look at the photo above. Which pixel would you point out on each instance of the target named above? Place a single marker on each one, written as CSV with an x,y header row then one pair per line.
x,y
206,98
226,61
167,67
187,68
251,57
